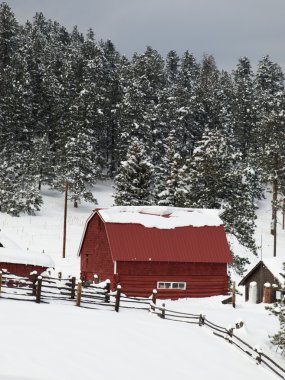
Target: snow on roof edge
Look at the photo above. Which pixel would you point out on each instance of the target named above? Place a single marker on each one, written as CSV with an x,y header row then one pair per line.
x,y
162,217
12,253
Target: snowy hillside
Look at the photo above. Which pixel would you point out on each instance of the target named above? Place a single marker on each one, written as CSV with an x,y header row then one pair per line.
x,y
77,343
62,342
44,231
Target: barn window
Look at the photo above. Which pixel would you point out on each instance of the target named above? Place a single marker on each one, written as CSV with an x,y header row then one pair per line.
x,y
171,285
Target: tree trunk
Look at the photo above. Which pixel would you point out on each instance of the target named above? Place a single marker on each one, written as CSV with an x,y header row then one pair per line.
x,y
75,204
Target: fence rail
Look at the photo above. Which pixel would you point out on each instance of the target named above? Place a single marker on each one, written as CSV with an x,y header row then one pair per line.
x,y
96,296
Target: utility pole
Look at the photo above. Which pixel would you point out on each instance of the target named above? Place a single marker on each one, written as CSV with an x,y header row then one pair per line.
x,y
283,214
275,233
64,219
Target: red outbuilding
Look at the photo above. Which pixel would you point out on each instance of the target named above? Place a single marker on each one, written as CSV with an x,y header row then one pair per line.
x,y
20,262
179,252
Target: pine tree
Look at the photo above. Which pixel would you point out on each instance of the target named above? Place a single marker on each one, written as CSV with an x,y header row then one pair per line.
x,y
218,180
278,309
171,186
245,116
133,181
141,97
77,169
271,131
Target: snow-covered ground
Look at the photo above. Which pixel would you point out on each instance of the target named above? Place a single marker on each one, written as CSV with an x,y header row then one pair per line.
x,y
59,341
64,342
44,231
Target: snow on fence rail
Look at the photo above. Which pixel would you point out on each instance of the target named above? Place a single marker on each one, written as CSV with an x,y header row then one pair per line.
x,y
220,331
96,296
16,287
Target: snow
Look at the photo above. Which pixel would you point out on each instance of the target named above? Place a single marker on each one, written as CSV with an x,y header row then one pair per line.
x,y
62,341
161,217
275,265
12,253
59,342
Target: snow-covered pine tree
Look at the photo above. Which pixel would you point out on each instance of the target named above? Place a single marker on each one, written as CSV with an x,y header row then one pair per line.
x,y
18,187
142,92
77,168
113,98
278,309
206,94
245,116
172,64
133,183
43,163
218,180
270,102
186,105
171,181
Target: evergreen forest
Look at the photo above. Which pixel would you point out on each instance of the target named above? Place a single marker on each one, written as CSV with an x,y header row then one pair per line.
x,y
173,131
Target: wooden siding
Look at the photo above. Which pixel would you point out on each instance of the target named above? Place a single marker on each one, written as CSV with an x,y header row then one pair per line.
x,y
95,252
196,286
170,268
140,278
260,275
21,269
202,280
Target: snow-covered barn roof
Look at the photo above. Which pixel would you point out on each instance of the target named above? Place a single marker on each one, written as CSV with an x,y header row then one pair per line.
x,y
161,217
10,252
171,234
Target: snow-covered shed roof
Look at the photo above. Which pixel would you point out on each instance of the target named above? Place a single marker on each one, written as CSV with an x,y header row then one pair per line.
x,y
10,252
273,264
171,234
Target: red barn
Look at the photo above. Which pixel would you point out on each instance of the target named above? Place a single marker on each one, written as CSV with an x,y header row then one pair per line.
x,y
20,262
180,252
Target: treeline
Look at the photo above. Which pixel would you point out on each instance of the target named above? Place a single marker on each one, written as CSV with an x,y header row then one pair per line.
x,y
73,108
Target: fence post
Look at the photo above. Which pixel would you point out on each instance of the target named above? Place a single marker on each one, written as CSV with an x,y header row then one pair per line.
x,y
230,332
153,300
108,287
163,311
39,289
118,296
73,281
79,289
266,292
201,320
34,280
258,351
0,282
234,295
96,279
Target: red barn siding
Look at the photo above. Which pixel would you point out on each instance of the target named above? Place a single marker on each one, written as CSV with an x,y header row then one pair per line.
x,y
202,280
95,252
21,269
139,278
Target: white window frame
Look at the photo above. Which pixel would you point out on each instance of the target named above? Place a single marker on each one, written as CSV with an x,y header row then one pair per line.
x,y
171,285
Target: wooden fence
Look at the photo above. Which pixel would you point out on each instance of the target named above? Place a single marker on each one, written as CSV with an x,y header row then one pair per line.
x,y
95,296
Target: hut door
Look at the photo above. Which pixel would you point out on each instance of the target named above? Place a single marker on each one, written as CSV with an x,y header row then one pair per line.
x,y
252,296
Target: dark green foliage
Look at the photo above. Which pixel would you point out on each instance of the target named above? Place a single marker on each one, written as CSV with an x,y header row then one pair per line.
x,y
219,180
133,182
278,309
70,106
